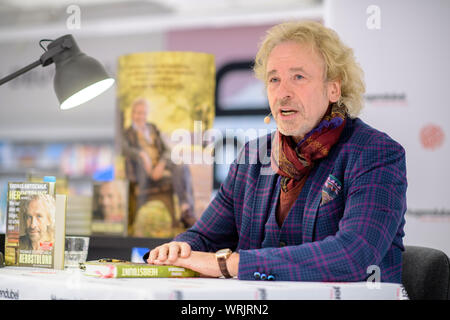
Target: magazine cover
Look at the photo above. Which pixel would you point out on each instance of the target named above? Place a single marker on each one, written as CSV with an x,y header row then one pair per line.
x,y
110,208
111,268
166,103
30,225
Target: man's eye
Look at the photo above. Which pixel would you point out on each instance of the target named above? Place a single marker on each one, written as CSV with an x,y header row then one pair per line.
x,y
298,77
273,80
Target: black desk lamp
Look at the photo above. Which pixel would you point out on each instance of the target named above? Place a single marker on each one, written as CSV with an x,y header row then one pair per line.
x,y
78,77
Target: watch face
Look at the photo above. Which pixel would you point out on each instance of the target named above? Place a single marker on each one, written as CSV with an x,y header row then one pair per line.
x,y
223,252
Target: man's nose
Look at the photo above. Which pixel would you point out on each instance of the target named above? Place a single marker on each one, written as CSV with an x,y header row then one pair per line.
x,y
285,90
33,222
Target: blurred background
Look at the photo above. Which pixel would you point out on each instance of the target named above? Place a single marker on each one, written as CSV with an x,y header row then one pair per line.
x,y
402,46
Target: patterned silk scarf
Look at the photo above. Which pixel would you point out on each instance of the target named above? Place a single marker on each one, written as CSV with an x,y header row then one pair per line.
x,y
292,162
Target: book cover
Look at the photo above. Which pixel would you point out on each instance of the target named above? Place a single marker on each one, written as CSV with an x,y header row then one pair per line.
x,y
79,214
79,204
61,180
110,208
109,268
165,108
60,231
35,222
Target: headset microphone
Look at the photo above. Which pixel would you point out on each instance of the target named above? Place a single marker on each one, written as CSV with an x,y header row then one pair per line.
x,y
267,118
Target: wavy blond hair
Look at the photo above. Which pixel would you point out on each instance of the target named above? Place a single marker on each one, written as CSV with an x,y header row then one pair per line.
x,y
340,62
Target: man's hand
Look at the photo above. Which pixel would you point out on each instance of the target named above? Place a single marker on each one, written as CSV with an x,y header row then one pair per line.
x,y
169,252
180,254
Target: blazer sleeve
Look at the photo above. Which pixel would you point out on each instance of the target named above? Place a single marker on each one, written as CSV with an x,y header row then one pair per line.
x,y
374,209
216,228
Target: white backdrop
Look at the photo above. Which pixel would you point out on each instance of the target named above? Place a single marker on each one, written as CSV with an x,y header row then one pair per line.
x,y
404,50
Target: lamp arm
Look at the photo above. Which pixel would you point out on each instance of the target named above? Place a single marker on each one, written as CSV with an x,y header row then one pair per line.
x,y
44,60
21,71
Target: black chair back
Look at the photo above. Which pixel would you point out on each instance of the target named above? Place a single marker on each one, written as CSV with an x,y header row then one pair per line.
x,y
426,273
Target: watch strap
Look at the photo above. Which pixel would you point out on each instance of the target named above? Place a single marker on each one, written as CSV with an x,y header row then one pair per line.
x,y
223,267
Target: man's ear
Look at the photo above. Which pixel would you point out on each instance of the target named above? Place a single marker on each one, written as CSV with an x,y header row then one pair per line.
x,y
334,90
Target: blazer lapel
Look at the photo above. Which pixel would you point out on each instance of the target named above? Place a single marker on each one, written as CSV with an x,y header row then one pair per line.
x,y
264,203
319,175
264,197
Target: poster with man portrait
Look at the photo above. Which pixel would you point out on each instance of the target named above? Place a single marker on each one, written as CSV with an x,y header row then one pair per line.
x,y
165,104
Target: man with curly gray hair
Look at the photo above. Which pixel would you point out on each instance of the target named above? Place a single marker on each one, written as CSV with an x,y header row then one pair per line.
x,y
333,206
38,214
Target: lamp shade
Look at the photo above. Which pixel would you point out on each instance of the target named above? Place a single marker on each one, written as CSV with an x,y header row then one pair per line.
x,y
78,77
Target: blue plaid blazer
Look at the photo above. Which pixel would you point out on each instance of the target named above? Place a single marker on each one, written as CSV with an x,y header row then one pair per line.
x,y
352,216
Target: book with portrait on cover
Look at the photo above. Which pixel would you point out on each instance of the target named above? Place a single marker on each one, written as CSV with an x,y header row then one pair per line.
x,y
35,226
110,207
112,268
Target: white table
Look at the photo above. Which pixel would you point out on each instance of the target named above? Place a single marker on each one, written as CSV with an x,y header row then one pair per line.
x,y
42,284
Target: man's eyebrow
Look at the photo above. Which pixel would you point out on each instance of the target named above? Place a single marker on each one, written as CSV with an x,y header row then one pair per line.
x,y
295,69
271,72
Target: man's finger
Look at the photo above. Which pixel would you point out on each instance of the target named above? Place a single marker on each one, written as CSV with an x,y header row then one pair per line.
x,y
174,249
185,250
153,254
163,250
